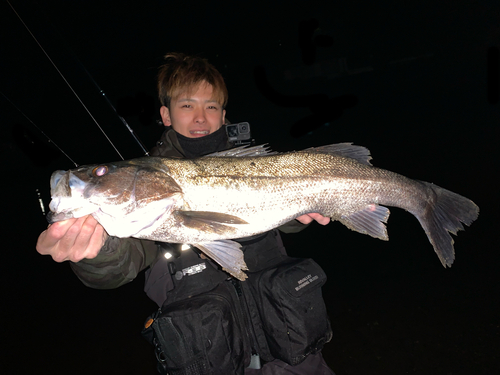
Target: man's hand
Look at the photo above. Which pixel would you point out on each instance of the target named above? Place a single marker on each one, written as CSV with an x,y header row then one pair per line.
x,y
72,239
307,218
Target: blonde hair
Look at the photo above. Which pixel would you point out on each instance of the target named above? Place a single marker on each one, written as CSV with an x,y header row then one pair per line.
x,y
183,74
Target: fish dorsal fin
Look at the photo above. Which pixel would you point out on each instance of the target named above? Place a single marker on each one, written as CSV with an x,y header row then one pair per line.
x,y
348,150
244,151
369,220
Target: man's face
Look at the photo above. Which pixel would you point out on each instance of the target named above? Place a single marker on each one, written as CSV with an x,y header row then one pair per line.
x,y
195,115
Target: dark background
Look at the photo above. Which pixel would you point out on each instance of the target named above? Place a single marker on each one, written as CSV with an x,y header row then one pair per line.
x,y
409,81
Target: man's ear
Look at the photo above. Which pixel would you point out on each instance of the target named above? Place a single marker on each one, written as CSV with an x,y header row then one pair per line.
x,y
165,116
223,117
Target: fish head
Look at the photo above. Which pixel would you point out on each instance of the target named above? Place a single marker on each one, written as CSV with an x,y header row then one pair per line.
x,y
123,196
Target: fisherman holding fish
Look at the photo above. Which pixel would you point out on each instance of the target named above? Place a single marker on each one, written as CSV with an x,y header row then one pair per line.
x,y
273,322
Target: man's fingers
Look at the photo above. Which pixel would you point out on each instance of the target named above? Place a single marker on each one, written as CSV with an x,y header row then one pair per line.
x,y
50,237
323,220
73,239
89,236
71,242
96,242
307,218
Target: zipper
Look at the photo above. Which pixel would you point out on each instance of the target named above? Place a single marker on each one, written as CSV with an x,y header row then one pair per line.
x,y
245,315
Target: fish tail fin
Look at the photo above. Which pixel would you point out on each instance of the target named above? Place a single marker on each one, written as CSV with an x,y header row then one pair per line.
x,y
444,214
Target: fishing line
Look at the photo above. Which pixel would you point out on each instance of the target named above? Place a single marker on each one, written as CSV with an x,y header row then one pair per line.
x,y
39,196
136,138
40,130
64,78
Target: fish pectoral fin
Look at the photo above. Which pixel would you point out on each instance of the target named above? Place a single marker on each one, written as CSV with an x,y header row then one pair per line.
x,y
209,222
228,254
369,220
215,217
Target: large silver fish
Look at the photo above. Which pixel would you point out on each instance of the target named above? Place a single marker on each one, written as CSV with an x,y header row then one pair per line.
x,y
245,191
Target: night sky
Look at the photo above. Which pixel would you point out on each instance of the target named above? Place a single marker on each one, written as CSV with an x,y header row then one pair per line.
x,y
416,84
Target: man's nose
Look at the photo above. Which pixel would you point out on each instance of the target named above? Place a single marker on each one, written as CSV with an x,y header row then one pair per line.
x,y
200,116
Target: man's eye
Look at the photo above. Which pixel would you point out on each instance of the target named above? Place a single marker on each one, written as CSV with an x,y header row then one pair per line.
x,y
186,106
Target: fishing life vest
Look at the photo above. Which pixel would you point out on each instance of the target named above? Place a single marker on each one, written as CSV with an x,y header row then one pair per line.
x,y
211,323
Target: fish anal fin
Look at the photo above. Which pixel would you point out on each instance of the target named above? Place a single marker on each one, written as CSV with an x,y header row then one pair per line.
x,y
228,254
369,220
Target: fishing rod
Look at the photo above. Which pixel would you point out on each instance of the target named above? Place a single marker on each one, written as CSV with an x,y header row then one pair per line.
x,y
40,200
65,80
134,135
39,195
40,130
103,94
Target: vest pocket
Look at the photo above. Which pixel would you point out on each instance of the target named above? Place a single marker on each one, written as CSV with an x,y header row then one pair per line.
x,y
292,309
200,335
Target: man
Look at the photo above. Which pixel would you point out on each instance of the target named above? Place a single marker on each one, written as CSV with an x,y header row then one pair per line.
x,y
193,97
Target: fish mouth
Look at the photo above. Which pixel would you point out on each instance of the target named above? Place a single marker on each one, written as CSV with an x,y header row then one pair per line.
x,y
63,208
55,178
68,199
53,217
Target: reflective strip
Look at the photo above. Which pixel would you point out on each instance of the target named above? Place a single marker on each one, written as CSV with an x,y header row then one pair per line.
x,y
197,268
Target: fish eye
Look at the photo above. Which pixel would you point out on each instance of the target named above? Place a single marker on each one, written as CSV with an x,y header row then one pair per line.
x,y
100,171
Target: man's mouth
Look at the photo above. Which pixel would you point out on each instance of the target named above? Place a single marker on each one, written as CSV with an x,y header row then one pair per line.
x,y
199,133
